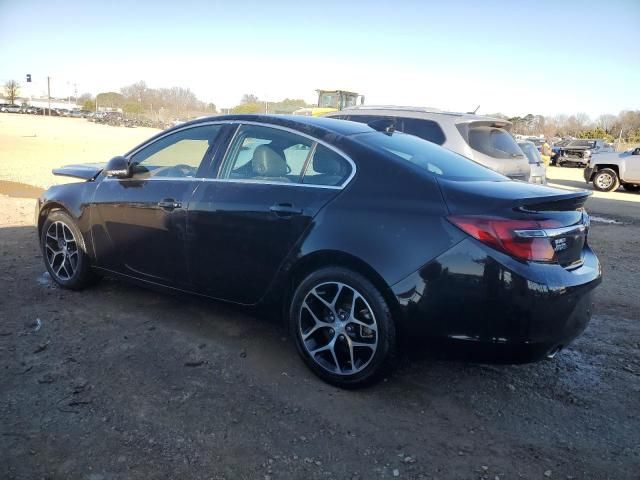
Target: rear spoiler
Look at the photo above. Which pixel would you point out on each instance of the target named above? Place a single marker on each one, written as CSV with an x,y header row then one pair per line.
x,y
85,172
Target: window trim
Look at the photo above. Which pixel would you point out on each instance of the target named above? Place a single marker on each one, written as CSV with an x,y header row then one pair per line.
x,y
217,169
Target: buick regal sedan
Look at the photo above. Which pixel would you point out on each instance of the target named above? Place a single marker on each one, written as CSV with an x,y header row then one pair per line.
x,y
366,237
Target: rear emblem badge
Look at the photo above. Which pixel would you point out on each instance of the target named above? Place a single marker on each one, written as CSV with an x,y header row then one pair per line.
x,y
560,244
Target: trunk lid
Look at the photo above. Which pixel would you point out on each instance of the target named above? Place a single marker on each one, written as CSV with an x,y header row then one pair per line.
x,y
526,212
87,171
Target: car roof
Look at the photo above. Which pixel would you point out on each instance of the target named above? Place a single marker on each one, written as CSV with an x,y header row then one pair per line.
x,y
418,112
303,124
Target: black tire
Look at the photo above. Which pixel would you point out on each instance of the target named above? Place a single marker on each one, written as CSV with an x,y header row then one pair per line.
x,y
606,180
383,357
82,275
631,187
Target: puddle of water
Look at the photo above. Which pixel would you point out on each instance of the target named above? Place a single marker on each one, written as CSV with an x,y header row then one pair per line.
x,y
604,220
19,190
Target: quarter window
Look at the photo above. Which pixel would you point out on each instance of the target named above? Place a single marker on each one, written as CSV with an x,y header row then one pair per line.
x,y
326,168
177,155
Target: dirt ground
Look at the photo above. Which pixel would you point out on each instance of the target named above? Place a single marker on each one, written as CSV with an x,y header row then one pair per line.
x,y
119,382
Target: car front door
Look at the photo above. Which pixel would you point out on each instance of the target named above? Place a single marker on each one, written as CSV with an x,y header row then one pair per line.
x,y
243,223
632,167
139,223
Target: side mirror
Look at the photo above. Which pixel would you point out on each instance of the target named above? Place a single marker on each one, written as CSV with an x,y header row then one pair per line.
x,y
117,167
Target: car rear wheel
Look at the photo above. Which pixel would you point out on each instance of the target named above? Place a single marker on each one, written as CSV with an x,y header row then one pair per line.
x,y
64,252
343,327
630,187
606,180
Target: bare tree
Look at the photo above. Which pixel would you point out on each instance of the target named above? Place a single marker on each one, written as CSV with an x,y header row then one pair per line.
x,y
12,88
249,98
606,122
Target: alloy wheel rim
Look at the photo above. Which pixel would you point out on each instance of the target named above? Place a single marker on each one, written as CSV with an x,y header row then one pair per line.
x,y
605,180
61,249
338,328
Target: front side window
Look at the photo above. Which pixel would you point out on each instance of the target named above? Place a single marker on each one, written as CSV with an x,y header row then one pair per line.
x,y
266,154
177,155
494,142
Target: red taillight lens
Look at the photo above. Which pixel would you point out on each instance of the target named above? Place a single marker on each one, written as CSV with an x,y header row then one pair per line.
x,y
522,239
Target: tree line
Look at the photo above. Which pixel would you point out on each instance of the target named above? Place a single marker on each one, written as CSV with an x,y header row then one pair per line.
x,y
180,102
624,126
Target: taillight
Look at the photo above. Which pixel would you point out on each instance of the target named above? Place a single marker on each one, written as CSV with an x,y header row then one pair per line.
x,y
522,239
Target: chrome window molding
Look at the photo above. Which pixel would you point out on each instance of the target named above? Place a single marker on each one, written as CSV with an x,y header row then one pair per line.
x,y
222,180
224,158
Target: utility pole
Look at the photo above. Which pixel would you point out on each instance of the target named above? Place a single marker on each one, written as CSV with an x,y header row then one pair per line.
x,y
49,94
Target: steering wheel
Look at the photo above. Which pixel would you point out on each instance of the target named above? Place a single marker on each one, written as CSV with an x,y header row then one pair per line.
x,y
181,170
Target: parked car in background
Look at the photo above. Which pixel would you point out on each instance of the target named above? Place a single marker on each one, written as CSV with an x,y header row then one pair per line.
x,y
610,170
486,140
538,168
53,112
11,108
79,113
578,152
557,147
364,239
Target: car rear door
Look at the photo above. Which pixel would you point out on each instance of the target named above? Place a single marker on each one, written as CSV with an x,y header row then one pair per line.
x,y
139,223
246,219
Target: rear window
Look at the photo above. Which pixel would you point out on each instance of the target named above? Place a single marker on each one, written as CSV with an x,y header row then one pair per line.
x,y
425,129
495,142
426,155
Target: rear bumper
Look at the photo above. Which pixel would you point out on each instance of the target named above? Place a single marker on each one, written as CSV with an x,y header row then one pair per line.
x,y
495,306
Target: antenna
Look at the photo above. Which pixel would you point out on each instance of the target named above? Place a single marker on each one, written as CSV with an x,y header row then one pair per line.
x,y
477,108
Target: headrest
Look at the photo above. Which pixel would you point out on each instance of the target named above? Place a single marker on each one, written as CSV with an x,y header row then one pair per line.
x,y
266,162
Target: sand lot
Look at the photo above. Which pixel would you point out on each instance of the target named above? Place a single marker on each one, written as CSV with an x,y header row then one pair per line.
x,y
30,145
117,382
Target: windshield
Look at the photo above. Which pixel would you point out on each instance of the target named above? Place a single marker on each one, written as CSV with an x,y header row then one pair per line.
x,y
430,157
495,142
532,153
329,100
583,143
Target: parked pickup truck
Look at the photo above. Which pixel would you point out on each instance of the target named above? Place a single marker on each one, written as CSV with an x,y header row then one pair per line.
x,y
608,170
578,152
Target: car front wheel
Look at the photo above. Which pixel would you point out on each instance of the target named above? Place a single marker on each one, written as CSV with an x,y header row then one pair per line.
x,y
606,180
64,252
343,327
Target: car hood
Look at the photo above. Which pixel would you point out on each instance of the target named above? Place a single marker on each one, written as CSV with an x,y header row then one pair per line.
x,y
85,171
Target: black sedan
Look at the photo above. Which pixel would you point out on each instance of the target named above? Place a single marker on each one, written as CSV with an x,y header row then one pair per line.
x,y
366,237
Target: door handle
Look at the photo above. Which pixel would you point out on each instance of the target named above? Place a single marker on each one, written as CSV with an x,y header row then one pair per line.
x,y
169,204
285,210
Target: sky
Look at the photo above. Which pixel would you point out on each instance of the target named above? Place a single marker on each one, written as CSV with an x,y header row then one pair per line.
x,y
541,57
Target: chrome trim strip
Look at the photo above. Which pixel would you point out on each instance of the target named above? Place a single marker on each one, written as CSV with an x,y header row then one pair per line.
x,y
220,180
240,122
550,232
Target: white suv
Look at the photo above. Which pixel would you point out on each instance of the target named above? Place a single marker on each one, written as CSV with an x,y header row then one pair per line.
x,y
486,140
